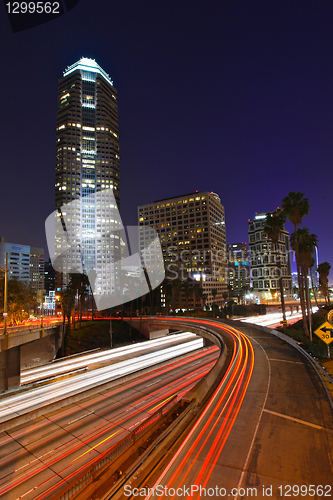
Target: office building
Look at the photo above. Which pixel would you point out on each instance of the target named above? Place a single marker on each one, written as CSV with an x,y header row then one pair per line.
x,y
18,260
191,228
264,257
238,268
49,277
24,263
87,175
37,268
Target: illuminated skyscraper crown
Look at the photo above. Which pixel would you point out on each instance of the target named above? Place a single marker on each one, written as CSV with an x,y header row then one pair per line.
x,y
88,65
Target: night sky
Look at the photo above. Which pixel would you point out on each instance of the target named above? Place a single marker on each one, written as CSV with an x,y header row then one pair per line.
x,y
234,97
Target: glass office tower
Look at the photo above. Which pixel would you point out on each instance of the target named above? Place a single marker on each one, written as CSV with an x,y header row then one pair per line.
x,y
87,175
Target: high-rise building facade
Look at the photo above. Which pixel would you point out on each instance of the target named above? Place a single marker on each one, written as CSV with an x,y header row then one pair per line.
x,y
264,257
25,263
193,240
37,268
87,171
18,260
238,268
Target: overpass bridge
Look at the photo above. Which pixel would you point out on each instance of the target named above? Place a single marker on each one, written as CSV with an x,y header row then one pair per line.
x,y
25,347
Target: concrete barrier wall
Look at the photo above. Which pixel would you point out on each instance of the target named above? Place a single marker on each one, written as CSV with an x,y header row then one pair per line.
x,y
39,352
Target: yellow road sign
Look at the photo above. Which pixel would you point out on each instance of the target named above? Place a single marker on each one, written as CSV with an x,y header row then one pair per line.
x,y
325,332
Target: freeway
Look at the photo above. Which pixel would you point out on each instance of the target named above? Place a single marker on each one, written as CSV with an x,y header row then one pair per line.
x,y
272,320
39,457
76,363
26,401
266,431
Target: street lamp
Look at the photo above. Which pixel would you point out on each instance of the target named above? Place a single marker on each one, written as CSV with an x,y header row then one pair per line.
x,y
5,294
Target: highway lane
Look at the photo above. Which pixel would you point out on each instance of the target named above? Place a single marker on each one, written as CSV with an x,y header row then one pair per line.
x,y
269,426
37,458
25,401
272,320
101,357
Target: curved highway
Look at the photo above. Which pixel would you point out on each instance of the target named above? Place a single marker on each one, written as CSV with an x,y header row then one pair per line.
x,y
266,432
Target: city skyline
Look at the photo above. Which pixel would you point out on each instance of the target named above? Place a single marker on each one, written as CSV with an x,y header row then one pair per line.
x,y
231,99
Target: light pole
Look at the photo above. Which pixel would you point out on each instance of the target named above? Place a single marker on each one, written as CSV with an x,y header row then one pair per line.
x,y
5,294
110,331
41,308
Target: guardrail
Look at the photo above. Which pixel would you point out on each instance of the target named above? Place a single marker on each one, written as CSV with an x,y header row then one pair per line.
x,y
28,328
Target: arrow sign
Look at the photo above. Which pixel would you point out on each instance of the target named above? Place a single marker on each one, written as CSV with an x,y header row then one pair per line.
x,y
325,332
325,329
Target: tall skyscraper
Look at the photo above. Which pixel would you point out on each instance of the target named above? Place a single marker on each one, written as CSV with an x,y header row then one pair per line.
x,y
87,169
192,233
37,268
264,256
238,268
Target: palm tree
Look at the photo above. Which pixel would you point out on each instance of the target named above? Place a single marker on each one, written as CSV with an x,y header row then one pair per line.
x,y
67,303
324,269
306,248
79,284
273,228
312,286
295,207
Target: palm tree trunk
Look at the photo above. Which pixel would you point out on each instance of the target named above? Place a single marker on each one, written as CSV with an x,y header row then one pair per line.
x,y
307,293
313,290
301,289
281,292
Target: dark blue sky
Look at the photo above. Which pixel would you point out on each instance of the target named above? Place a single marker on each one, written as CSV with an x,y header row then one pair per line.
x,y
234,97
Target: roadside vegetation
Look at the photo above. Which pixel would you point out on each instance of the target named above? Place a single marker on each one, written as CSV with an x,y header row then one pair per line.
x,y
95,334
317,347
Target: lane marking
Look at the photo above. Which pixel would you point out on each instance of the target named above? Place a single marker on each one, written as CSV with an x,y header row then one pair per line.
x,y
79,418
259,419
298,420
93,447
287,361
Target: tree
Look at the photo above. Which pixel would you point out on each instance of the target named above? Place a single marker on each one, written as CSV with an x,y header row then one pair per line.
x,y
273,229
324,269
67,298
295,207
20,301
307,244
225,297
312,286
79,284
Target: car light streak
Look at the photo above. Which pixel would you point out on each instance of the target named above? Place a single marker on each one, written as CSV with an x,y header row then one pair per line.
x,y
88,360
50,490
42,395
159,396
219,415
